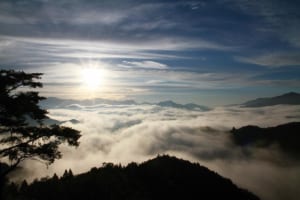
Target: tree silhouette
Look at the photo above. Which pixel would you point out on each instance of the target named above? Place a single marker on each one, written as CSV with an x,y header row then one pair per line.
x,y
23,135
68,174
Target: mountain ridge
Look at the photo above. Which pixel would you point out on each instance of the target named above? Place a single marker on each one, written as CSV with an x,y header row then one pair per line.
x,y
286,136
290,98
164,177
54,102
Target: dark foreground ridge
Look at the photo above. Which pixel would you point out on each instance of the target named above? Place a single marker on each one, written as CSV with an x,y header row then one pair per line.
x,y
163,177
286,136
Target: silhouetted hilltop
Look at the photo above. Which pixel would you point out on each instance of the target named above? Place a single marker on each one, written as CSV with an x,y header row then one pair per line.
x,y
287,136
290,98
164,177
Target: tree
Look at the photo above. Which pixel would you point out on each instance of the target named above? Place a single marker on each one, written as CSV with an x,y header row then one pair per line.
x,y
55,177
23,135
24,186
68,174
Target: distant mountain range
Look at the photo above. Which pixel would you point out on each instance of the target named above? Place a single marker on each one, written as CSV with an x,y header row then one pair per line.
x,y
163,178
291,98
189,106
53,102
50,121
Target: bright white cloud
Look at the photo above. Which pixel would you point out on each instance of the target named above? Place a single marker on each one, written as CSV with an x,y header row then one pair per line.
x,y
125,133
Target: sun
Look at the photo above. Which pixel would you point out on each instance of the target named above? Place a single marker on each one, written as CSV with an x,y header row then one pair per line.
x,y
92,78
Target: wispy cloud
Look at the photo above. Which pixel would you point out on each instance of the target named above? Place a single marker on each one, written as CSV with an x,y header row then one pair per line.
x,y
273,60
279,16
58,13
24,49
102,21
147,64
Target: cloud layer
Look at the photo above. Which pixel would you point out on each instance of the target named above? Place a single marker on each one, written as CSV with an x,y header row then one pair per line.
x,y
125,133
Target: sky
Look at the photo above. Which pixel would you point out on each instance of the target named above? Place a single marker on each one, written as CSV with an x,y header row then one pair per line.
x,y
212,53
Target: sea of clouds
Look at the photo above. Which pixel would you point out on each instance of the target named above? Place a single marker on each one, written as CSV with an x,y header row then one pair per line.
x,y
127,133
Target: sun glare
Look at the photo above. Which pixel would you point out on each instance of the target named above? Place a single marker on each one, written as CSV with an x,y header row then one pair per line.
x,y
92,77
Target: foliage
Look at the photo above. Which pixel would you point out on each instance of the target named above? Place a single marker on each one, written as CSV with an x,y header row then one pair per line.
x,y
23,135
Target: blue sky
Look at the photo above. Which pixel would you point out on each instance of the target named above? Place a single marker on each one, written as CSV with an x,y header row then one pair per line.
x,y
208,52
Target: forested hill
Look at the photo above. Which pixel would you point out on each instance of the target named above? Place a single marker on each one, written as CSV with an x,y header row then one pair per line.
x,y
164,177
286,136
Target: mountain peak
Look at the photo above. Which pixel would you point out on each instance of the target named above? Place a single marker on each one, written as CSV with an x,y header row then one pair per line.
x,y
291,98
189,106
167,103
291,94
